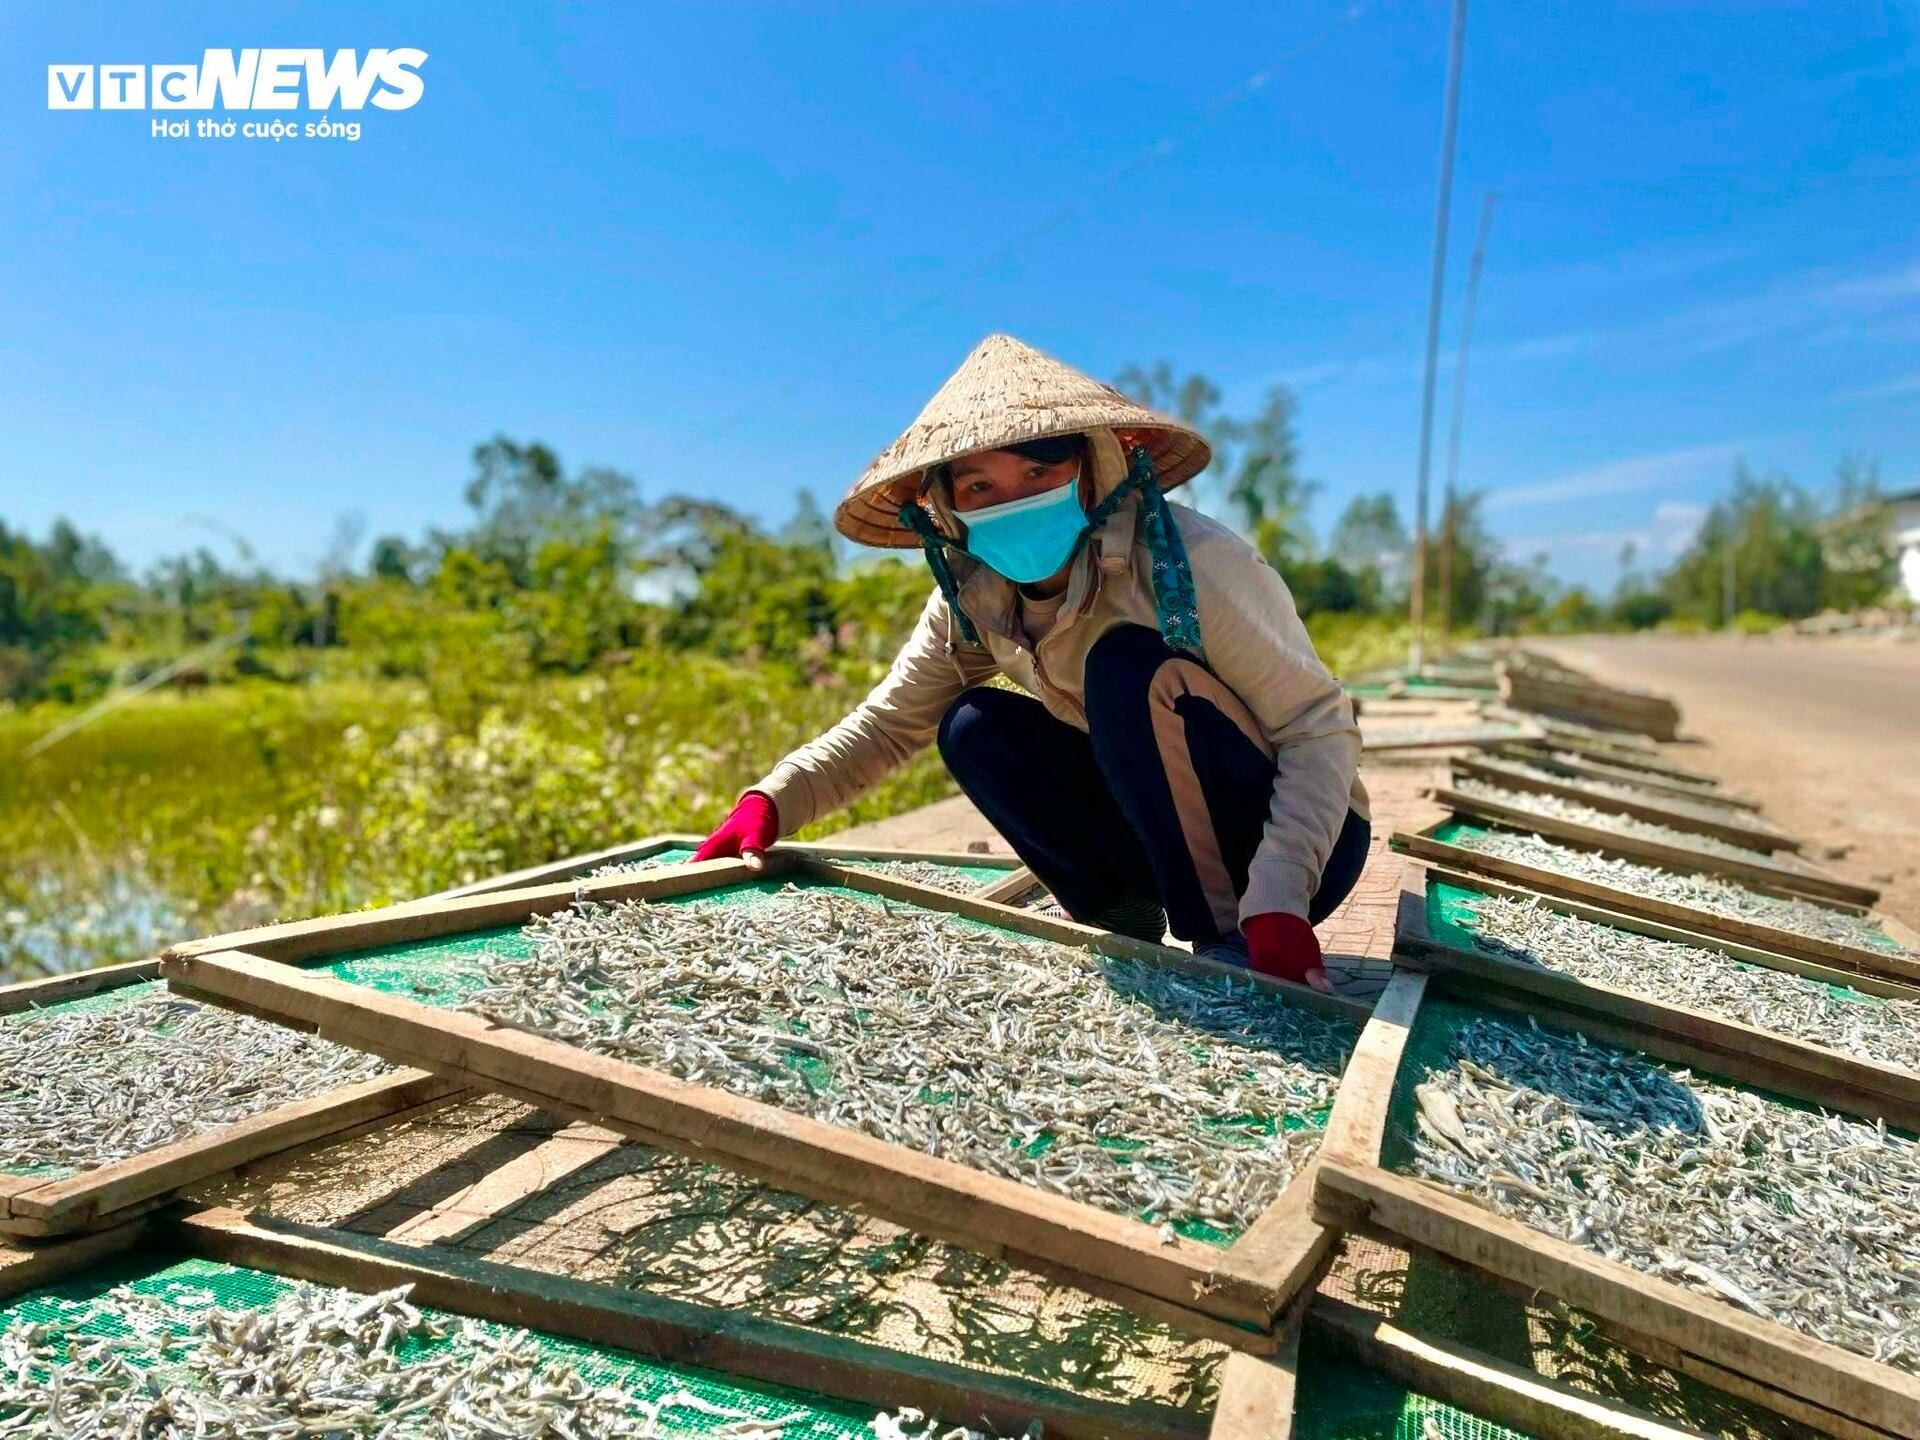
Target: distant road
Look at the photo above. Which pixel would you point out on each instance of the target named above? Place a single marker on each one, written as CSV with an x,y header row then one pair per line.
x,y
1825,732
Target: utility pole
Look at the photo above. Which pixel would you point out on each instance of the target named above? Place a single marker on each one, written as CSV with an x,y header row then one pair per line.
x,y
1726,582
1459,416
1435,295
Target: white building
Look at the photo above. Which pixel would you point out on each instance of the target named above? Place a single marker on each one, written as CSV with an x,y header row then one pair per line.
x,y
1906,536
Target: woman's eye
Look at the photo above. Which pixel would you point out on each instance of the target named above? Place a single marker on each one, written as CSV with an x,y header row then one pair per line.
x,y
1037,472
979,487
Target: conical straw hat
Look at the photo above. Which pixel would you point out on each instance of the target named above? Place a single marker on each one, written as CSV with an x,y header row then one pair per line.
x,y
1006,393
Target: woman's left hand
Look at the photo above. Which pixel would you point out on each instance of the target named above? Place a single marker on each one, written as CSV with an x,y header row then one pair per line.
x,y
1284,946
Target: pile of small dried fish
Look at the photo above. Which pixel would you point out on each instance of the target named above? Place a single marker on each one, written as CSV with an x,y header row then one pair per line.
x,y
86,1087
1699,791
1810,1219
1679,805
1702,892
1552,806
323,1362
920,872
1120,1084
1676,974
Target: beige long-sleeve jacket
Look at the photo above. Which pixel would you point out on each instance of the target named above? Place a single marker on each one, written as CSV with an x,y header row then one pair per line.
x,y
1254,642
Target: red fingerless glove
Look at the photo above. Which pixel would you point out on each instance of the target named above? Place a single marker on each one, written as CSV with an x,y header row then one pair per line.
x,y
753,826
1281,945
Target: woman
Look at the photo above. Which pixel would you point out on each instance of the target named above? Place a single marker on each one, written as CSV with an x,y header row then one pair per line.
x,y
1181,758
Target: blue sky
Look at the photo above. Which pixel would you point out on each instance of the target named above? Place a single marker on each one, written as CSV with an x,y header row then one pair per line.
x,y
732,248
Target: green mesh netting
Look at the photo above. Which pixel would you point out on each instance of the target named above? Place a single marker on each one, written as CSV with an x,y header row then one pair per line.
x,y
85,1307
1451,921
446,971
1339,1399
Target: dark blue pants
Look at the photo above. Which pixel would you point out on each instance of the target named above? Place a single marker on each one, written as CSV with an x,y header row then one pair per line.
x,y
1163,803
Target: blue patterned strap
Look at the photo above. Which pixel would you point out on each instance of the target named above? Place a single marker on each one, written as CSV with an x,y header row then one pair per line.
x,y
934,545
1175,605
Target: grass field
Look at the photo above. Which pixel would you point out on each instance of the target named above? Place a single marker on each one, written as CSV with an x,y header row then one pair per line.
x,y
183,815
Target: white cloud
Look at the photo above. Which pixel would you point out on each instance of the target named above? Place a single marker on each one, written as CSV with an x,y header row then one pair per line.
x,y
1591,557
1886,390
1639,472
1815,307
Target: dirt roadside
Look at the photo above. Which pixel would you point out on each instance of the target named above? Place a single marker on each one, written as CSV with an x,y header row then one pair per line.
x,y
1824,732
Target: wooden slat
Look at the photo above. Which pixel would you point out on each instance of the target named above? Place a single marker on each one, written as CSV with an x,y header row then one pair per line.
x,y
1428,1216
430,919
1257,1394
1657,930
1852,958
1383,741
1480,1384
27,1267
1671,855
56,989
99,1196
1009,890
1728,826
937,1197
568,867
1652,715
731,1342
1358,1123
573,866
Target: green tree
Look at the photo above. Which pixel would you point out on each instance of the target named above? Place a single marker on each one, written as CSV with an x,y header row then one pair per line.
x,y
1769,530
1371,542
1859,558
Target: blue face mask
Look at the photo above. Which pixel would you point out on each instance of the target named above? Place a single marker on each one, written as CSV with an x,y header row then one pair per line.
x,y
1029,538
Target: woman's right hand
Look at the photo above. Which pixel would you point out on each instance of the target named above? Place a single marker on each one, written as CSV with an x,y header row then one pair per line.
x,y
747,832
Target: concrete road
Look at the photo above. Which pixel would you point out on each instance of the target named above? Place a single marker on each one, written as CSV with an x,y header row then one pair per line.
x,y
1825,732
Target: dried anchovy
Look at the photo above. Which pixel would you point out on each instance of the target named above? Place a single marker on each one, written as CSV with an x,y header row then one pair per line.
x,y
1702,892
91,1086
1665,970
1807,1218
1572,810
1714,813
919,872
1117,1083
324,1362
1699,792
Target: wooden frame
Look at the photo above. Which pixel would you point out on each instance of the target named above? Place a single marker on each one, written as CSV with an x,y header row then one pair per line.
x,y
106,1195
1798,878
571,867
1483,735
1526,687
1851,960
1645,762
1479,1384
677,1331
1712,1339
1700,793
27,1267
1735,827
1654,929
1172,1278
1691,1037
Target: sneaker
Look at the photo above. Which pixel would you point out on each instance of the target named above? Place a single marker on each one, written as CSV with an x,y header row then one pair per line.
x,y
1230,949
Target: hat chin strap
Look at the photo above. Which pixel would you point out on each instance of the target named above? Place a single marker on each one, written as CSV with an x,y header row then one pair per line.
x,y
1175,604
